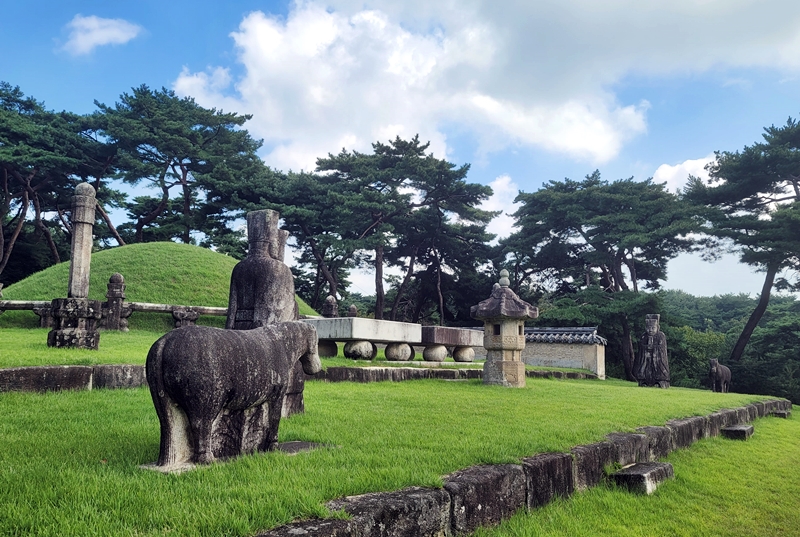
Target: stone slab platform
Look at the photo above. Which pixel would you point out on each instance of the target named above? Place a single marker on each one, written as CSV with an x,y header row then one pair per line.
x,y
358,328
644,477
451,337
737,432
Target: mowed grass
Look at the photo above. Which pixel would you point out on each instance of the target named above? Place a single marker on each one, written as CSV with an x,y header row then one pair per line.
x,y
722,488
69,460
159,272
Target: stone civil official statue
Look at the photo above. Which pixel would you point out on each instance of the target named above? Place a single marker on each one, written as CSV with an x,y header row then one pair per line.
x,y
651,367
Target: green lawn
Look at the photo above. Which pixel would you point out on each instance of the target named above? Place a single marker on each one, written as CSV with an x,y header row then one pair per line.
x,y
722,488
69,461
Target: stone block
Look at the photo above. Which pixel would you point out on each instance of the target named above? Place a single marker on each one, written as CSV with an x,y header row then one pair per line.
x,y
644,477
464,354
471,373
629,448
714,423
46,378
360,328
328,348
548,476
484,495
293,403
737,432
313,528
781,413
445,374
742,416
411,512
118,376
686,431
452,337
761,408
399,374
590,463
504,373
659,441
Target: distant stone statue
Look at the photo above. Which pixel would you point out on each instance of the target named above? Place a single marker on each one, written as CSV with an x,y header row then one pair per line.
x,y
330,308
262,286
352,311
720,376
651,367
218,393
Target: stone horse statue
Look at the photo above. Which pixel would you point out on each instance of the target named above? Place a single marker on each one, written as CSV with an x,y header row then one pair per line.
x,y
218,393
720,376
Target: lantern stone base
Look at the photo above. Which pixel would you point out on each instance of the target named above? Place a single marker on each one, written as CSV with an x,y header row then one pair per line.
x,y
76,321
504,373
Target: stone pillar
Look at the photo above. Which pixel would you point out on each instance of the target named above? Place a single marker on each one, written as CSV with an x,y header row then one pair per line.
x,y
76,318
504,315
115,313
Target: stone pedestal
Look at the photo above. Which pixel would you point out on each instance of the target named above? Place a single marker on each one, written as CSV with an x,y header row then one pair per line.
x,y
504,373
76,321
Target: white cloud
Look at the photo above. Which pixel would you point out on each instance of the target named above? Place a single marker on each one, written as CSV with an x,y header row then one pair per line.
x,y
88,33
534,73
504,190
677,175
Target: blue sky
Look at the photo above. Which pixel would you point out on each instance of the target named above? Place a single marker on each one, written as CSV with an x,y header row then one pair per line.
x,y
526,92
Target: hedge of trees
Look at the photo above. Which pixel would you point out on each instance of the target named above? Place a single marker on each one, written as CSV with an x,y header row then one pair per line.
x,y
588,252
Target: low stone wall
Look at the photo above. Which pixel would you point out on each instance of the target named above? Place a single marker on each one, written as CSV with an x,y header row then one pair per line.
x,y
398,374
71,377
485,495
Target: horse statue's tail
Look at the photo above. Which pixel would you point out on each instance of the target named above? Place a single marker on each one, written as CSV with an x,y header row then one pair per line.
x,y
175,447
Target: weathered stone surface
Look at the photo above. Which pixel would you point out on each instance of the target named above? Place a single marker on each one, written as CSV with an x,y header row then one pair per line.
x,y
464,354
714,423
115,311
451,337
293,402
686,431
262,286
82,218
781,413
412,512
357,374
360,350
46,378
644,477
651,367
629,448
659,441
360,328
118,376
434,353
737,432
471,373
218,393
402,352
548,475
328,348
504,373
503,304
590,463
75,322
352,311
484,495
330,308
761,408
314,528
445,374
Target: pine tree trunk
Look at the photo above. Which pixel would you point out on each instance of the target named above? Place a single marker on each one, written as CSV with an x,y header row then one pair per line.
x,y
627,349
379,294
755,317
402,288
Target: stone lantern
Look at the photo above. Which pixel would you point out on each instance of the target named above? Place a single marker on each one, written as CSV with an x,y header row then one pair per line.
x,y
504,315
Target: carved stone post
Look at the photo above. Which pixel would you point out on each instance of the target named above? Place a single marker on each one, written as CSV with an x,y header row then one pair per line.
x,y
115,313
76,317
504,315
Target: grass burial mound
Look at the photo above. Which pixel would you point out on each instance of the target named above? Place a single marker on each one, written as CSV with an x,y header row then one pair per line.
x,y
160,272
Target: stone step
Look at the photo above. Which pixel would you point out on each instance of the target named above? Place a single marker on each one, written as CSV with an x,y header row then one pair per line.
x,y
737,432
643,477
781,413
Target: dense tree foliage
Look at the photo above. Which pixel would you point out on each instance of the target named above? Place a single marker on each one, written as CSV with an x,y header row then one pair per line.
x,y
610,237
754,195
